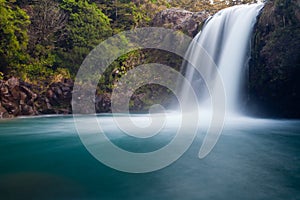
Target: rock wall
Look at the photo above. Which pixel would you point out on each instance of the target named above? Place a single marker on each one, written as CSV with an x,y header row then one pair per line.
x,y
178,19
275,64
273,88
19,98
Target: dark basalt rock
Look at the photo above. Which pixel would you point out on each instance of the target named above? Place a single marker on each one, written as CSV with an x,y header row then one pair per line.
x,y
19,98
103,103
275,64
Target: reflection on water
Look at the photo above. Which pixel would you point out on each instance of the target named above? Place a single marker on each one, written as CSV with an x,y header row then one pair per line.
x,y
43,158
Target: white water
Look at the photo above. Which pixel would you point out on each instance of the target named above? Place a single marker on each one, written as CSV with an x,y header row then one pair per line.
x,y
225,39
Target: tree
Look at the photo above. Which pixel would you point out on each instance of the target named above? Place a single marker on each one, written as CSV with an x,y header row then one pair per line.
x,y
44,31
13,36
47,22
87,26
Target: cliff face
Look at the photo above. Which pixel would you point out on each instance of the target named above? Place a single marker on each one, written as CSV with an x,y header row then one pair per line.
x,y
178,19
275,65
273,69
273,89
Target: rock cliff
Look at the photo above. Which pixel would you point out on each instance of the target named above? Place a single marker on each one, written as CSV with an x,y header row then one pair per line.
x,y
275,64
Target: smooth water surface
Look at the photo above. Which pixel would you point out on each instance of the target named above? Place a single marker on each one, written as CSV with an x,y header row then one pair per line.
x,y
43,158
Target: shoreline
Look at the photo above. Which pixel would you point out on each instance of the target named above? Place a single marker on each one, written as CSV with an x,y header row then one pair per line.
x,y
19,99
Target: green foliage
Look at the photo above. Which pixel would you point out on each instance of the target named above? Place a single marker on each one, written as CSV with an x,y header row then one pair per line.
x,y
147,9
87,26
47,21
30,72
1,75
49,39
192,5
126,15
60,74
13,36
207,5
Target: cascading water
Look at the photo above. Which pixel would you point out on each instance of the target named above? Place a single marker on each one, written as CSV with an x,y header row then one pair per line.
x,y
225,39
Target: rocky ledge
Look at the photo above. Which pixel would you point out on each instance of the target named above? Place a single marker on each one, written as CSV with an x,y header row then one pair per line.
x,y
178,19
20,98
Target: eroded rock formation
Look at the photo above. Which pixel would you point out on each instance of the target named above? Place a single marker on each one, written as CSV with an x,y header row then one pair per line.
x,y
178,19
275,65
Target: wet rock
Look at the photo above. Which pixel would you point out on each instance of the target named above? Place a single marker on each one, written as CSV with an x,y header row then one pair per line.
x,y
103,103
27,110
4,113
65,89
56,89
11,106
275,64
137,102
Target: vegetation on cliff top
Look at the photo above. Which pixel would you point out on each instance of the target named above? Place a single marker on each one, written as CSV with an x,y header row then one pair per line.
x,y
45,39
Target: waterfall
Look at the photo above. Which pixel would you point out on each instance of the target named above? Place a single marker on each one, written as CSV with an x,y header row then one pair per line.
x,y
226,39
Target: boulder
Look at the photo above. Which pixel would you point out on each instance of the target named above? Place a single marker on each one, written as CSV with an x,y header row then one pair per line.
x,y
103,103
4,113
179,19
21,98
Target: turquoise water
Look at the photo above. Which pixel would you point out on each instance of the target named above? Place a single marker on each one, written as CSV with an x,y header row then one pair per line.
x,y
43,158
